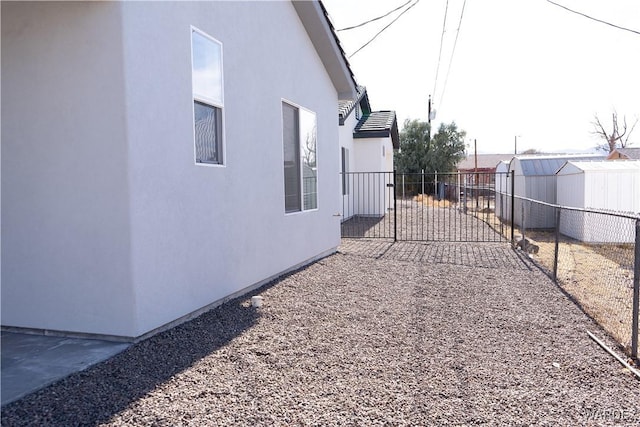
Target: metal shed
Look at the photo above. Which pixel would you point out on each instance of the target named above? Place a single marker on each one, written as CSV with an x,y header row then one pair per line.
x,y
610,186
503,191
535,178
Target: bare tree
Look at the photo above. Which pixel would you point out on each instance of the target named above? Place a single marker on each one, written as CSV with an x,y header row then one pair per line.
x,y
615,138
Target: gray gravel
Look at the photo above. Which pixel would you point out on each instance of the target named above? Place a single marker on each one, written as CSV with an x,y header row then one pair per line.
x,y
377,334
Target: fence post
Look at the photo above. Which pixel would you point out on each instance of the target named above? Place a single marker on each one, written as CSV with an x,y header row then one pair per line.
x,y
523,228
513,206
395,205
636,295
557,244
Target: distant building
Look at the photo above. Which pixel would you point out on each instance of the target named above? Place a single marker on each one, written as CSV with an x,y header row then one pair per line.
x,y
481,168
625,154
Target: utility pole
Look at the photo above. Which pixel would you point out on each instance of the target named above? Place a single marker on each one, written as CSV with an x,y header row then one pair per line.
x,y
475,154
429,116
515,146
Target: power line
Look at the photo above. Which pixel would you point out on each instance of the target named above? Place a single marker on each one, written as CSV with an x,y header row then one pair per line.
x,y
374,19
444,88
444,24
595,19
380,32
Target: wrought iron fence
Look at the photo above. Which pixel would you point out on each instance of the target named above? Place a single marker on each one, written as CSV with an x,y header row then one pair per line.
x,y
453,207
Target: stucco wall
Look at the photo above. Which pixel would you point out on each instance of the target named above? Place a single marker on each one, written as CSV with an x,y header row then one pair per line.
x,y
345,132
108,225
65,205
200,233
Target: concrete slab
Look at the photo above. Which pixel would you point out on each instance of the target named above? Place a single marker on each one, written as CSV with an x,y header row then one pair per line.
x,y
31,362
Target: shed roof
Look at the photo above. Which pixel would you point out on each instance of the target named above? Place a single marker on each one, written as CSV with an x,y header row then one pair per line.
x,y
582,166
548,165
379,124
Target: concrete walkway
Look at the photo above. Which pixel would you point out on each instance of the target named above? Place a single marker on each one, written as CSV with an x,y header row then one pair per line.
x,y
31,362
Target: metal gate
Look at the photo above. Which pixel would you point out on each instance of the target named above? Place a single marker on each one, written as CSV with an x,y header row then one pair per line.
x,y
451,207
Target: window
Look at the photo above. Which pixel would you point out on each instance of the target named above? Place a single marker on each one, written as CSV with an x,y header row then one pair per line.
x,y
300,162
208,100
345,171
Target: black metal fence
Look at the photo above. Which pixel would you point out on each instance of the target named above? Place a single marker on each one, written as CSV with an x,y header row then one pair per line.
x,y
448,207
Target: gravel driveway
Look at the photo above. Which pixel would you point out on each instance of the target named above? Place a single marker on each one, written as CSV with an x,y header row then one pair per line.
x,y
377,334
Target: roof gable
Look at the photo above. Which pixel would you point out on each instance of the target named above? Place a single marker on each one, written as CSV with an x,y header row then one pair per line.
x,y
628,152
345,107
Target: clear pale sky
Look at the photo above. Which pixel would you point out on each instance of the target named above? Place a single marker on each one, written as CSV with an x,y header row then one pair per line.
x,y
525,68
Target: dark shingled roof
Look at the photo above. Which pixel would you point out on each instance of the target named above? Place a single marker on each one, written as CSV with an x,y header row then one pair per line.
x,y
378,124
335,36
346,106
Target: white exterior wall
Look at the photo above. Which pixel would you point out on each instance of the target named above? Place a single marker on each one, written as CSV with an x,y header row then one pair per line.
x,y
571,192
503,191
374,197
115,230
65,175
611,190
347,201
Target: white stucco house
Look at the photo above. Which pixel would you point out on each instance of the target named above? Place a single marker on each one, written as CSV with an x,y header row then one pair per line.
x,y
367,143
159,158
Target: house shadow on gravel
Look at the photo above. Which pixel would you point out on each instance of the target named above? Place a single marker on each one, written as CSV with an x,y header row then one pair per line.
x,y
95,395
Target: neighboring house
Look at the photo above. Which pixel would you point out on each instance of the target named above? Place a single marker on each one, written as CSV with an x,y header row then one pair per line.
x,y
159,158
535,178
480,169
609,186
624,154
367,140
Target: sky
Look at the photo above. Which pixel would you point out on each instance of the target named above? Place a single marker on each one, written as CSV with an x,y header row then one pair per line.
x,y
523,70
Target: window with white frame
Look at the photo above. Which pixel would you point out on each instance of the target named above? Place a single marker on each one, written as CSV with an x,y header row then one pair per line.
x,y
299,136
208,99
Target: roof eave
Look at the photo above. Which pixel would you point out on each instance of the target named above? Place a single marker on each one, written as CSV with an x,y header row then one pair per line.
x,y
371,134
314,18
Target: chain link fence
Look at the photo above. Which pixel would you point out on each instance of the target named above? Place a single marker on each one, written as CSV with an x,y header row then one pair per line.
x,y
593,255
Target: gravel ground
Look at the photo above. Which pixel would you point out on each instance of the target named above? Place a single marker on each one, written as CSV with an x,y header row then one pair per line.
x,y
377,334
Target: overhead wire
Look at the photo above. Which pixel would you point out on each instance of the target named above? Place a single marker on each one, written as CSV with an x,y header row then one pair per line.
x,y
444,25
453,51
387,26
375,19
595,19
